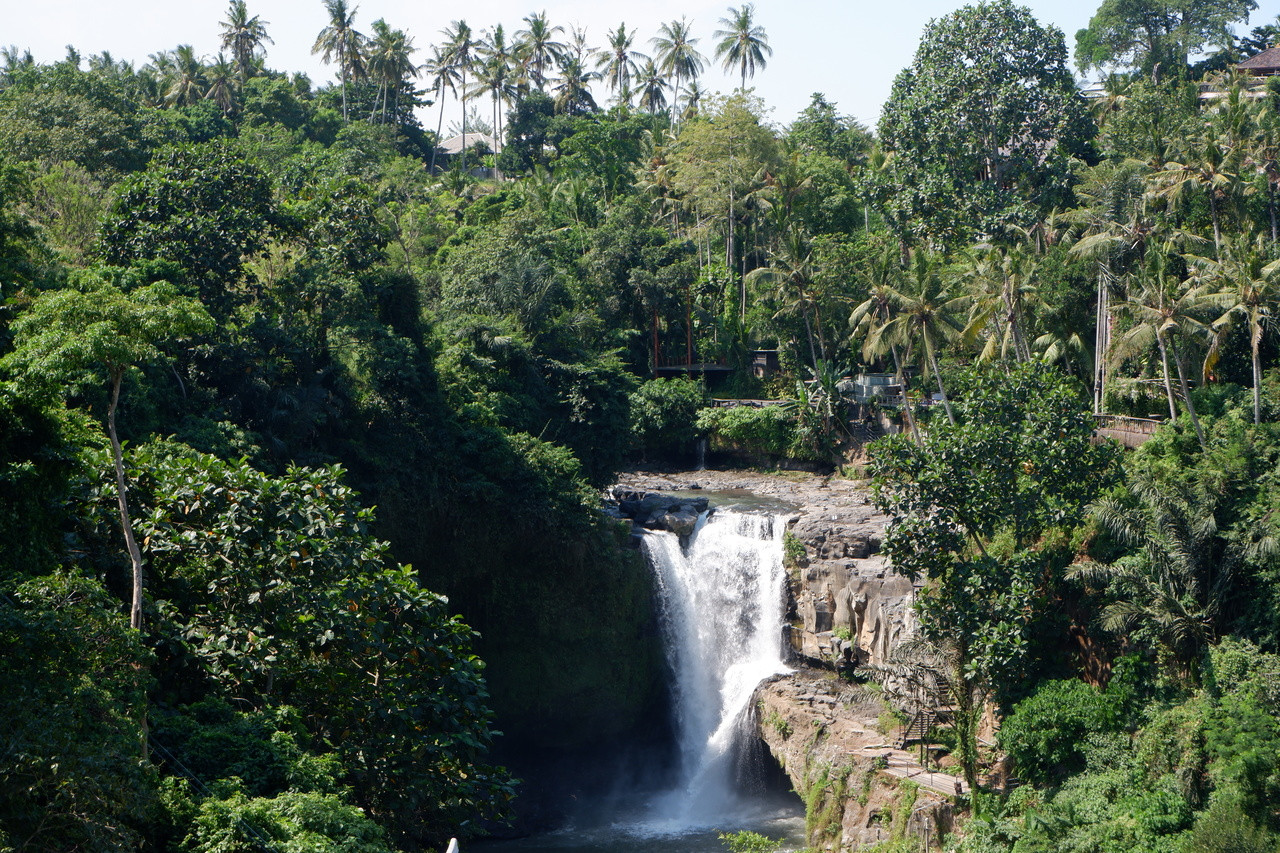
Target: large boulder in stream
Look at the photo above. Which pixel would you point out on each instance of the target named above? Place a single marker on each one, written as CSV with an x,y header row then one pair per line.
x,y
658,511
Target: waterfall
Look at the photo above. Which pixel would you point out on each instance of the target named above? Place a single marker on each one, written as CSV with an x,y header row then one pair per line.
x,y
722,612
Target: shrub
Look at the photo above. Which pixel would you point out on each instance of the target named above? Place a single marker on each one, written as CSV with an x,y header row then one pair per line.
x,y
1044,733
769,430
664,416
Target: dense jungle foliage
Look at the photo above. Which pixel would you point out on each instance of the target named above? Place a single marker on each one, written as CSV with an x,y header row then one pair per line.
x,y
241,310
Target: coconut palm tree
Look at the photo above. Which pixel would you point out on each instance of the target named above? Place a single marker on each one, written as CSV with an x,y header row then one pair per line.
x,y
692,102
791,271
930,315
617,62
495,74
389,58
1002,282
243,36
183,74
1247,288
221,76
874,320
652,87
1212,167
1264,158
443,75
536,48
573,89
460,50
1179,579
742,43
677,55
1162,309
341,41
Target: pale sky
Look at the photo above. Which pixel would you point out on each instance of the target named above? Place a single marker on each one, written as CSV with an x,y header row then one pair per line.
x,y
848,49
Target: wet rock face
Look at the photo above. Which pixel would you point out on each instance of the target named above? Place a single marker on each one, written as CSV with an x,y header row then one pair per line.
x,y
846,607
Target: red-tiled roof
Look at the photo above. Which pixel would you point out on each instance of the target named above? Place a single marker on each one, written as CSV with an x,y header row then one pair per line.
x,y
1268,60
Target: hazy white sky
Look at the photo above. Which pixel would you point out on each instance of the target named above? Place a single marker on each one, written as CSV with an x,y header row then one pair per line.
x,y
848,49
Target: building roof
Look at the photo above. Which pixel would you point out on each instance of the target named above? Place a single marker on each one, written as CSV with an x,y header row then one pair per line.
x,y
1268,60
453,145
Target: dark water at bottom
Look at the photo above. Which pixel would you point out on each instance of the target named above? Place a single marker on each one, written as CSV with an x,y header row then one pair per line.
x,y
651,837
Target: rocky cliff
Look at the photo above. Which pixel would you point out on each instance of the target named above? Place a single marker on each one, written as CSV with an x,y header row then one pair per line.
x,y
845,606
846,609
858,790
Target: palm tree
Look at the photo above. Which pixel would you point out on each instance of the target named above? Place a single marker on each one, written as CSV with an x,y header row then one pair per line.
x,y
677,55
875,321
929,314
1002,283
494,74
1247,288
692,102
1213,167
1162,310
742,42
617,62
340,40
243,36
443,75
791,270
460,47
1264,156
183,74
652,86
221,76
573,91
389,58
537,48
1180,578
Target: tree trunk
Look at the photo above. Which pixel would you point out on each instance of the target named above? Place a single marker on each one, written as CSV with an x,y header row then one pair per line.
x,y
464,120
966,715
1217,227
817,320
1164,369
1271,209
808,330
906,401
937,375
1186,393
439,129
122,492
1255,335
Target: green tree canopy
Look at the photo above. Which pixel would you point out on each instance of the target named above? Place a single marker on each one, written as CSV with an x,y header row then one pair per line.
x,y
982,125
1156,36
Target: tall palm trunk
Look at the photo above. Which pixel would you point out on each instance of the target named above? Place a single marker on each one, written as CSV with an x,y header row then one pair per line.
x,y
1164,368
439,130
966,713
122,502
464,119
906,401
1186,390
937,375
1217,226
1255,342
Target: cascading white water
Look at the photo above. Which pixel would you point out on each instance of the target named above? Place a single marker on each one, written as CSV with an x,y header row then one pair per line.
x,y
722,601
